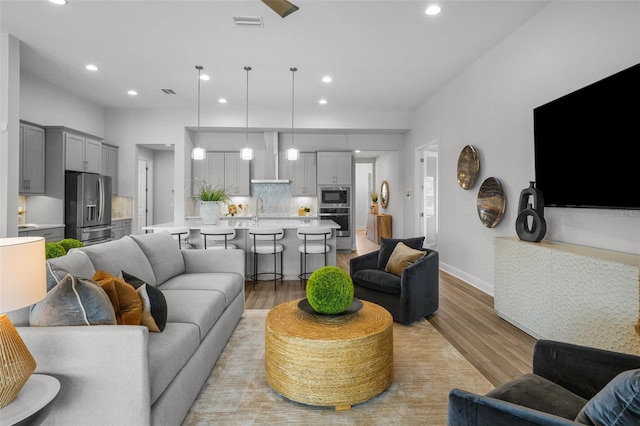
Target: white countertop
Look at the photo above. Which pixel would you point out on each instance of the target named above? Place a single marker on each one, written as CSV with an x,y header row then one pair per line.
x,y
267,222
32,226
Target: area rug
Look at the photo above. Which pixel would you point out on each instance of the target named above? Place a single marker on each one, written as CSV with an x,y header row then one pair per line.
x,y
425,368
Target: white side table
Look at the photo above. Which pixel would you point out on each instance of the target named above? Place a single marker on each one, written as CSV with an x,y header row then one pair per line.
x,y
39,391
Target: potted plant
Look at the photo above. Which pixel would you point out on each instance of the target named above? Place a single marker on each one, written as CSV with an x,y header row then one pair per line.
x,y
211,199
374,202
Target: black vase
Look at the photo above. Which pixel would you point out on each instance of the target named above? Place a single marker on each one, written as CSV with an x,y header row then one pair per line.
x,y
531,205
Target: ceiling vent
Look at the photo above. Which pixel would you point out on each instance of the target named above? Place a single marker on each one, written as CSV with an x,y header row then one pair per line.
x,y
248,21
168,91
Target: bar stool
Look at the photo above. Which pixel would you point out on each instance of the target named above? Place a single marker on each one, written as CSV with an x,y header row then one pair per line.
x,y
265,241
220,237
315,242
179,233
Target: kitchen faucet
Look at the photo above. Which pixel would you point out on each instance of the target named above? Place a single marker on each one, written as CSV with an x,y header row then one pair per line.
x,y
259,209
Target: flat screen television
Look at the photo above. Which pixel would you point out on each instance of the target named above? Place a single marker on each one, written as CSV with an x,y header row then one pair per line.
x,y
587,145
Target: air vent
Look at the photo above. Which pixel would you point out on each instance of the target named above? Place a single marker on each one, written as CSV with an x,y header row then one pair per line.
x,y
248,21
168,91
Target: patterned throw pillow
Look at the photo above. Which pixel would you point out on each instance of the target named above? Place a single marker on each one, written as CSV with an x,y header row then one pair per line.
x,y
154,313
72,301
125,300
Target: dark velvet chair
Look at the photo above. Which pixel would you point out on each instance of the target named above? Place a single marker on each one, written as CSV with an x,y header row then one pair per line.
x,y
410,297
565,379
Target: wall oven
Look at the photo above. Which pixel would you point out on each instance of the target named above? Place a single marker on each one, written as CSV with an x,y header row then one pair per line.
x,y
332,196
341,216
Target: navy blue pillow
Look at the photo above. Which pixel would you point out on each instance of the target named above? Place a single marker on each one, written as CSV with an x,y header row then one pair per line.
x,y
387,245
617,404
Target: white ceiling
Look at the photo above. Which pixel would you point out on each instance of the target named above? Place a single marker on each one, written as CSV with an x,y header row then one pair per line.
x,y
383,55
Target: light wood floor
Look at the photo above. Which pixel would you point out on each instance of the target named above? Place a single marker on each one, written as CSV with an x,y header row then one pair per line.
x,y
466,318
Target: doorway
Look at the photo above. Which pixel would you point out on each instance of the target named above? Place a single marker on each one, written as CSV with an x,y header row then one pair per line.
x,y
427,157
144,210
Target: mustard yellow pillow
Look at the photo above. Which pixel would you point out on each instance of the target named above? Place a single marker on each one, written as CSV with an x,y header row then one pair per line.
x,y
124,298
402,257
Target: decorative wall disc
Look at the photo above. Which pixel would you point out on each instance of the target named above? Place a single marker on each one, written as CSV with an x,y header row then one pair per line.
x,y
468,167
491,202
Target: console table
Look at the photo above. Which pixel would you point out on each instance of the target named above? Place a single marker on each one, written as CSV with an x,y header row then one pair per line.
x,y
570,293
378,226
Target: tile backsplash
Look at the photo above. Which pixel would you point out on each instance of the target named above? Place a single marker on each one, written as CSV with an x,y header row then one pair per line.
x,y
121,208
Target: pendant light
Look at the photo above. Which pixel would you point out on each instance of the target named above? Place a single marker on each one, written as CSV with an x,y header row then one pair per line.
x,y
198,152
292,153
247,153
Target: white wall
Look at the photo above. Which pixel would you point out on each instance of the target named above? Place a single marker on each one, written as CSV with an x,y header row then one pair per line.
x,y
163,183
566,46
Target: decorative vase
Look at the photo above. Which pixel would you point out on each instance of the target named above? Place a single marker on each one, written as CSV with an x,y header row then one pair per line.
x,y
374,208
210,212
530,223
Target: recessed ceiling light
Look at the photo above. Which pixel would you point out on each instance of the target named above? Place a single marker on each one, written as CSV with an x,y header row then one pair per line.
x,y
432,10
58,1
222,101
322,101
326,79
205,77
132,92
91,67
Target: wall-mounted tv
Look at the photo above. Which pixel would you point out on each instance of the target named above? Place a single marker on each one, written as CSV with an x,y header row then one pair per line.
x,y
587,145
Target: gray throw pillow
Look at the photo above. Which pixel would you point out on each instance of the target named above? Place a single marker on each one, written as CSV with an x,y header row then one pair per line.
x,y
617,404
73,301
387,245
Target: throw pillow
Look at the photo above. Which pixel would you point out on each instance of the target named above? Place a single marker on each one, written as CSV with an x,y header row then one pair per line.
x,y
125,300
617,404
402,257
154,310
73,301
387,245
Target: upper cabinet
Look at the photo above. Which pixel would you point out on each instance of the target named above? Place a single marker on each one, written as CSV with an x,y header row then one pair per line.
x,y
82,154
223,170
109,165
236,174
303,175
32,159
334,168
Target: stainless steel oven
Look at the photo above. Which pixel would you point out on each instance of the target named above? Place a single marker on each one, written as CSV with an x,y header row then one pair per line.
x,y
341,216
334,196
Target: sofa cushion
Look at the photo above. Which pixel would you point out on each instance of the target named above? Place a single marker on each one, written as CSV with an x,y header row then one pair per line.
x,y
117,255
75,262
163,253
73,301
228,283
199,307
538,393
169,351
402,257
387,245
377,280
154,304
124,298
618,403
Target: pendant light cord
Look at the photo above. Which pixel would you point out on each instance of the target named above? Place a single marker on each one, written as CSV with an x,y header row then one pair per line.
x,y
293,77
247,69
199,68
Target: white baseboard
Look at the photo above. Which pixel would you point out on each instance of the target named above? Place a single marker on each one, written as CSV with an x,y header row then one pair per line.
x,y
469,279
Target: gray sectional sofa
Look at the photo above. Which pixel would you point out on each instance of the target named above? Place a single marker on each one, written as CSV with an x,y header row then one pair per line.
x,y
124,374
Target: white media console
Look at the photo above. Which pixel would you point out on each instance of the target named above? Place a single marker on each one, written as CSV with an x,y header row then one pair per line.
x,y
569,293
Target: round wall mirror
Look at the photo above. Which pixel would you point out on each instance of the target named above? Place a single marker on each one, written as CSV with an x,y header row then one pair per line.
x,y
384,194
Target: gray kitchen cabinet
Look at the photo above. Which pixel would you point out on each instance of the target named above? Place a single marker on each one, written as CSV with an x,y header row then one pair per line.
x,y
334,168
303,175
222,170
49,234
32,159
82,154
109,165
236,174
120,228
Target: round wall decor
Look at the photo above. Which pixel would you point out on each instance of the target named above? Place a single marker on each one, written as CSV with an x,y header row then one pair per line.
x,y
468,167
491,202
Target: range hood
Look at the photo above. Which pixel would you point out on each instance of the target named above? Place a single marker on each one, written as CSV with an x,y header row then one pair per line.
x,y
270,174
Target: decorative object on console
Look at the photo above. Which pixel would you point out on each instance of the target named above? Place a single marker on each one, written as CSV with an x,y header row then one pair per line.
x,y
22,283
531,205
292,153
198,152
468,167
374,203
384,194
330,290
247,153
491,202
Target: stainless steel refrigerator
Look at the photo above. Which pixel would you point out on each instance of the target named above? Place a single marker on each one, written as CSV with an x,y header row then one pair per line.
x,y
88,207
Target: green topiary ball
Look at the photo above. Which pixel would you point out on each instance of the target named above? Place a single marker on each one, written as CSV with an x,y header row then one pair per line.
x,y
69,243
330,290
54,250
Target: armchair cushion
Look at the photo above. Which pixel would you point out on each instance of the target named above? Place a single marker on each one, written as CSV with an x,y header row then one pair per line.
x,y
402,257
387,245
378,280
618,403
540,394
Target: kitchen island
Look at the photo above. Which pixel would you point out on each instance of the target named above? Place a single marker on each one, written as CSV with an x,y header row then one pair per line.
x,y
291,255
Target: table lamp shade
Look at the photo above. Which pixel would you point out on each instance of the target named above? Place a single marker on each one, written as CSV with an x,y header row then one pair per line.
x,y
22,283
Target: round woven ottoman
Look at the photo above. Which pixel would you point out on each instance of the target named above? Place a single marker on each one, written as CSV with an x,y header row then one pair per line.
x,y
328,360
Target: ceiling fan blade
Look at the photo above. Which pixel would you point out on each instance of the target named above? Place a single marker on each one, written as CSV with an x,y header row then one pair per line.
x,y
281,7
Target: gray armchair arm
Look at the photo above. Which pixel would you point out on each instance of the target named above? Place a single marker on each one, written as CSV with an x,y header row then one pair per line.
x,y
466,408
420,288
365,261
583,370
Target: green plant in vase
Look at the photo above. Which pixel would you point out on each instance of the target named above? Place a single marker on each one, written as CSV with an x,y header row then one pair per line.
x,y
69,243
53,250
330,290
209,193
